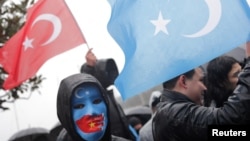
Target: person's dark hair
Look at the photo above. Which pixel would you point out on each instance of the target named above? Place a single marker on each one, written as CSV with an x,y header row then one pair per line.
x,y
134,121
217,80
171,83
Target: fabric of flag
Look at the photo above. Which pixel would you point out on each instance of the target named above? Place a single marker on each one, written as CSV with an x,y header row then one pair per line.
x,y
49,30
164,38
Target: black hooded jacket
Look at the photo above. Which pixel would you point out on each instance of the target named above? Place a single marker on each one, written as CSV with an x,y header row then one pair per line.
x,y
106,72
179,119
65,91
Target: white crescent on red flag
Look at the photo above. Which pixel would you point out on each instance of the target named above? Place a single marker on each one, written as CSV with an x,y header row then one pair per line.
x,y
50,29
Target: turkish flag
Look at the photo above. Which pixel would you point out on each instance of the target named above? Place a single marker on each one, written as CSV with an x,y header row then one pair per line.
x,y
50,29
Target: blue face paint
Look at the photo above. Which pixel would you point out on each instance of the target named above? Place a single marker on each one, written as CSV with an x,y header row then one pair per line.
x,y
89,112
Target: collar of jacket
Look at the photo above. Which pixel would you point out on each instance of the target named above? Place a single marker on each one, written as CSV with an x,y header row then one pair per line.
x,y
169,95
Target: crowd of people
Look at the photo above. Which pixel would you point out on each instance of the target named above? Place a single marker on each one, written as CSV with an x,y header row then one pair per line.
x,y
183,110
181,114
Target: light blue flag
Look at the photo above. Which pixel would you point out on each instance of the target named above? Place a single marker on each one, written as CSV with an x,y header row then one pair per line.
x,y
164,38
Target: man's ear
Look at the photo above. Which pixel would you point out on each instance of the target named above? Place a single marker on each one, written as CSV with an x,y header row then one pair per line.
x,y
182,81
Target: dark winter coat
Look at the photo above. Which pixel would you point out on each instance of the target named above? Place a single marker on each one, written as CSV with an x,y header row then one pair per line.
x,y
179,119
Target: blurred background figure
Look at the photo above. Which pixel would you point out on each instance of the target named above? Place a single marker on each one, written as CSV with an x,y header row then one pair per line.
x,y
154,100
221,80
31,134
136,123
145,132
55,131
142,112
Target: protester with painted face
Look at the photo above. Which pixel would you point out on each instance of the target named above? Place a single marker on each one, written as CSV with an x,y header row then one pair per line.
x,y
82,109
106,71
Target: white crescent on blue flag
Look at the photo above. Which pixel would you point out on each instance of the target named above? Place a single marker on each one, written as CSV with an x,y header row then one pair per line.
x,y
164,38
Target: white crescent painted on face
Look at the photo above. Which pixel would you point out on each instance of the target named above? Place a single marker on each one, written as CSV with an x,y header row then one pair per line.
x,y
77,96
76,93
56,24
214,7
86,92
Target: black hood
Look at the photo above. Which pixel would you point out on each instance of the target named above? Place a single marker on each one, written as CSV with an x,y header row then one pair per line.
x,y
66,89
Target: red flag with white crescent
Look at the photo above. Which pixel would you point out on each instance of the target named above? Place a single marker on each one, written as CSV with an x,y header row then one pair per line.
x,y
50,29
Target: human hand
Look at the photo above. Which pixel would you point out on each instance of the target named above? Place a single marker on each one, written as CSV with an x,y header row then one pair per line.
x,y
91,58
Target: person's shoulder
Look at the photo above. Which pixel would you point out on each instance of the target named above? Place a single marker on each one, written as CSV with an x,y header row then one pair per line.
x,y
116,138
146,127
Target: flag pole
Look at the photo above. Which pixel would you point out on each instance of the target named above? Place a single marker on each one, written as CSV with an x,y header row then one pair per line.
x,y
87,44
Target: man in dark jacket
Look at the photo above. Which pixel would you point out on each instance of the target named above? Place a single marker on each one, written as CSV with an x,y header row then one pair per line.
x,y
181,117
82,108
106,71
